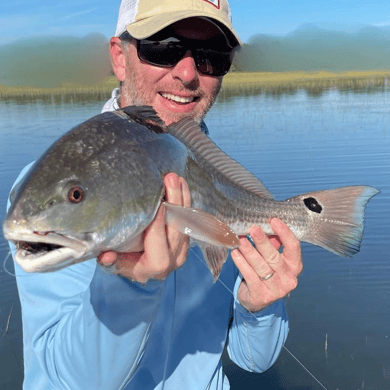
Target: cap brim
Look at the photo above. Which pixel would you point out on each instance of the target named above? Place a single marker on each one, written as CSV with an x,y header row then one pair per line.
x,y
147,27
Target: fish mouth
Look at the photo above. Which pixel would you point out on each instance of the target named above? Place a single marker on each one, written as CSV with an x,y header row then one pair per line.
x,y
33,248
47,251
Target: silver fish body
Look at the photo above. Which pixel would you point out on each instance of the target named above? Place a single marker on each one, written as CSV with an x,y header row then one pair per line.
x,y
100,185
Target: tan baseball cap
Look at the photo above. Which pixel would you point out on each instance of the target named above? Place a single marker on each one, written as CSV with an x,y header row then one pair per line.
x,y
143,18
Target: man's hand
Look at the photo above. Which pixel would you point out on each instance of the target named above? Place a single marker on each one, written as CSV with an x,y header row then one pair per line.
x,y
268,275
165,249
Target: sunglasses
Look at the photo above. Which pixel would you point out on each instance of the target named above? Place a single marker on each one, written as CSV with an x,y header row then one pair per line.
x,y
168,52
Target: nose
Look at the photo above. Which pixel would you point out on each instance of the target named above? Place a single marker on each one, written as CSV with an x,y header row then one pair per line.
x,y
185,70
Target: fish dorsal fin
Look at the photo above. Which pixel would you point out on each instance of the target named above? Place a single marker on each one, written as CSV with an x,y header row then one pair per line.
x,y
144,115
190,134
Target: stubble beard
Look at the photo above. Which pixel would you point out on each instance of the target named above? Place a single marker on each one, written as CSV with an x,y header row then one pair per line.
x,y
131,92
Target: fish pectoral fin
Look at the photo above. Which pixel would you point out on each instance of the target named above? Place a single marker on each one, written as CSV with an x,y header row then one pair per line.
x,y
215,257
201,226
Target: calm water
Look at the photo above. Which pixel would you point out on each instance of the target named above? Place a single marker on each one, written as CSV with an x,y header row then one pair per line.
x,y
295,143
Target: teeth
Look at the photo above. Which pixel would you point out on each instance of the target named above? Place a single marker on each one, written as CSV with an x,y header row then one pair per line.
x,y
178,99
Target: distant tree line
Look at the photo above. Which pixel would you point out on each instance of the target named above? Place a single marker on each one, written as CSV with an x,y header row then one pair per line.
x,y
311,49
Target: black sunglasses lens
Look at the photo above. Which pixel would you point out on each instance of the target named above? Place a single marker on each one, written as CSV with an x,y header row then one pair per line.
x,y
160,54
210,62
213,63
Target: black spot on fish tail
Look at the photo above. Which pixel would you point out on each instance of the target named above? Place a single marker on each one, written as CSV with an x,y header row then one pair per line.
x,y
146,116
313,205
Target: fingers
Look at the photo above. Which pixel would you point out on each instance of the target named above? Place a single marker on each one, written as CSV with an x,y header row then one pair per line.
x,y
292,247
264,245
165,248
107,258
260,261
155,237
268,275
173,192
287,265
256,260
177,192
275,241
162,245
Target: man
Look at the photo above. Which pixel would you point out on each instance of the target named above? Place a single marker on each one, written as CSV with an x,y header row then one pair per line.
x,y
159,321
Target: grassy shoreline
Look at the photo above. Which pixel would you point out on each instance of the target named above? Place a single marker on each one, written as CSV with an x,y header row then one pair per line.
x,y
314,83
78,92
234,83
277,77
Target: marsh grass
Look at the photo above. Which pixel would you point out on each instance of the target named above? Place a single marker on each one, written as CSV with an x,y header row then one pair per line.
x,y
315,83
234,84
63,93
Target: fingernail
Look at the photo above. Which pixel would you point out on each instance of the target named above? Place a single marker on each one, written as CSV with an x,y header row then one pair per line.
x,y
243,241
173,181
235,252
276,223
107,259
257,233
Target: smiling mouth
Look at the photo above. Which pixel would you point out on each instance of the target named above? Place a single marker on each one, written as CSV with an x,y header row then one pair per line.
x,y
179,99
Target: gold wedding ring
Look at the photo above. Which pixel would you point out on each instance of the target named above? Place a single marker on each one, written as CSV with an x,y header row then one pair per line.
x,y
268,276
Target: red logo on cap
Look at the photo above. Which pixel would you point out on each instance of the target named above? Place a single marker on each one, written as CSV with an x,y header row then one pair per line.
x,y
215,3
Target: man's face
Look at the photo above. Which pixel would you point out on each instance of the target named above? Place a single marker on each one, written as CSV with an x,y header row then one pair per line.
x,y
173,92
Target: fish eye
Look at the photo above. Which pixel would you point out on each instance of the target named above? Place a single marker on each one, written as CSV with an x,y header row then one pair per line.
x,y
76,194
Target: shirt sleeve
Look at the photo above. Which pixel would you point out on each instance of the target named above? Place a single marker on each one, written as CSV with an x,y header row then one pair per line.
x,y
256,339
76,322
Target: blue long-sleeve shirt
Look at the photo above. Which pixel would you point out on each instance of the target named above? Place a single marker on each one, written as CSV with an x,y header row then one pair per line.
x,y
84,328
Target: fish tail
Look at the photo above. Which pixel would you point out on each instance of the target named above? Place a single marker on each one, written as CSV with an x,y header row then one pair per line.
x,y
338,218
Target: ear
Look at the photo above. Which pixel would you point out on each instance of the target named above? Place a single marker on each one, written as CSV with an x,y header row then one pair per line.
x,y
118,58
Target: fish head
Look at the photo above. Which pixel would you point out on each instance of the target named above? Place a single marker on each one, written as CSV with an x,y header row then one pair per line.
x,y
44,226
55,223
80,199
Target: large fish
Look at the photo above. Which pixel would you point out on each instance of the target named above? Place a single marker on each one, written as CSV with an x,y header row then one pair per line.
x,y
100,185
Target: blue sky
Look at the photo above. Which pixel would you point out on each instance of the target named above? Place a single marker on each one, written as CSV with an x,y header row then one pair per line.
x,y
20,18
